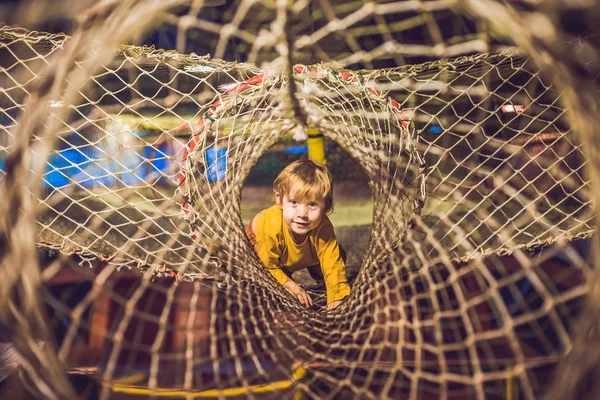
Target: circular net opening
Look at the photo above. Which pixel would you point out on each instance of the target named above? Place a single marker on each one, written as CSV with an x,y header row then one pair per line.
x,y
352,216
212,195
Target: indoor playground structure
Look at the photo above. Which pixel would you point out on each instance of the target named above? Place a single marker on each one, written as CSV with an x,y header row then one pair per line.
x,y
461,139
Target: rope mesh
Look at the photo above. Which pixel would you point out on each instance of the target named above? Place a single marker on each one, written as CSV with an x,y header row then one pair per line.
x,y
128,166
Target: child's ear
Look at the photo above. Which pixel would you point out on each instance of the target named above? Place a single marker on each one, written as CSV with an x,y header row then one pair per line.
x,y
277,198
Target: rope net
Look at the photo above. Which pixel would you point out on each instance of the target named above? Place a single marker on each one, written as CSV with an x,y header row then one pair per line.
x,y
130,167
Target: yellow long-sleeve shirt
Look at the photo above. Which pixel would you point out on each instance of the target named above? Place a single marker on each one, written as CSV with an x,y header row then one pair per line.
x,y
277,249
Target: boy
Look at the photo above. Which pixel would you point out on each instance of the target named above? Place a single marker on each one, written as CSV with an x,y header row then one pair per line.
x,y
295,233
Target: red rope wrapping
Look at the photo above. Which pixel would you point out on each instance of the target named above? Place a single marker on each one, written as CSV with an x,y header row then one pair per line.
x,y
540,138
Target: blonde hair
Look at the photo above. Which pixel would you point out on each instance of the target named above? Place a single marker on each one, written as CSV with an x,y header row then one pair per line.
x,y
314,179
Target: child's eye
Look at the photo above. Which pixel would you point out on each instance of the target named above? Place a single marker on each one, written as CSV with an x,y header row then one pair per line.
x,y
312,204
294,202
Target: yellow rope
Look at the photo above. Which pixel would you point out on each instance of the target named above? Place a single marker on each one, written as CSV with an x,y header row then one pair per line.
x,y
299,373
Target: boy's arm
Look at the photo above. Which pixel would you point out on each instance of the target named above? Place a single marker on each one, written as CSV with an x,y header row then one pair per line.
x,y
332,265
268,251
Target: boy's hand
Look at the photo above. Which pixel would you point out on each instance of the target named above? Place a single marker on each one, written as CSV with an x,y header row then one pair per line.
x,y
333,304
298,292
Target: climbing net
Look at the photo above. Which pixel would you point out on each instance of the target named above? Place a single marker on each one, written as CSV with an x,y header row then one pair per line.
x,y
127,165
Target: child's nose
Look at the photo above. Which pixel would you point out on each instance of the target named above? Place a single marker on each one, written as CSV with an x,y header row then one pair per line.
x,y
302,210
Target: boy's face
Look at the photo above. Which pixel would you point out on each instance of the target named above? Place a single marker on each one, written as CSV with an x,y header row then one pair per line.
x,y
300,217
